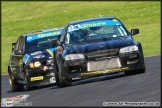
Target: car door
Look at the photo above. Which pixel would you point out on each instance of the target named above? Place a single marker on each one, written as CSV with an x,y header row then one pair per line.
x,y
17,58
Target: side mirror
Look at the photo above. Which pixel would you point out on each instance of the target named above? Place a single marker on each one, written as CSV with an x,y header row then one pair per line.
x,y
18,52
56,43
13,46
134,31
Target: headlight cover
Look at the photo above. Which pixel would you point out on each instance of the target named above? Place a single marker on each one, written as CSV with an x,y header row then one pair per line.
x,y
128,49
74,57
37,64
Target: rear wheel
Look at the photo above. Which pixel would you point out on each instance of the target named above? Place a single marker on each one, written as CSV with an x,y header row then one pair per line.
x,y
13,83
133,72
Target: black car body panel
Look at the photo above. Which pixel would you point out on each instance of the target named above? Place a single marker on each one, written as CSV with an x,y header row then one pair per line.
x,y
98,46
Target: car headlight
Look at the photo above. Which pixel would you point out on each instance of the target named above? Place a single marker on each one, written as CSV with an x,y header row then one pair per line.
x,y
74,57
37,64
128,49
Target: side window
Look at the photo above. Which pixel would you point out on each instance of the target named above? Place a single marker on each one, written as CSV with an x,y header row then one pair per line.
x,y
62,37
21,44
17,44
67,38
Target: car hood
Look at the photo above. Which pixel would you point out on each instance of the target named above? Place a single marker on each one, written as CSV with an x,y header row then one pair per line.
x,y
113,43
39,55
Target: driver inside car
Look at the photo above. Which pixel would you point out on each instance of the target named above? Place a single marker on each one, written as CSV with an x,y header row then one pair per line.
x,y
33,44
77,36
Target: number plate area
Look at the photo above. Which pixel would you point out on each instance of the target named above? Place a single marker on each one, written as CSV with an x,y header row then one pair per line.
x,y
103,64
36,78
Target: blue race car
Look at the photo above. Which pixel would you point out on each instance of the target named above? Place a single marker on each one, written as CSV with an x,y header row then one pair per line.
x,y
31,61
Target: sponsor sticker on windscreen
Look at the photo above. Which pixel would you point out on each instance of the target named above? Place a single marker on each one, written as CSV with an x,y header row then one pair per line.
x,y
47,34
93,24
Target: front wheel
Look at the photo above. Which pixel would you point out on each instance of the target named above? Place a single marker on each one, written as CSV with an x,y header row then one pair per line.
x,y
27,84
62,79
56,71
13,83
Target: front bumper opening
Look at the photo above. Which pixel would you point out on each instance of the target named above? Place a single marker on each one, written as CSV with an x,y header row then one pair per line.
x,y
130,59
103,64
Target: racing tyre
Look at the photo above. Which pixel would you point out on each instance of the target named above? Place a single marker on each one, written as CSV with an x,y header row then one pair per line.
x,y
133,72
56,77
63,80
27,84
13,83
56,72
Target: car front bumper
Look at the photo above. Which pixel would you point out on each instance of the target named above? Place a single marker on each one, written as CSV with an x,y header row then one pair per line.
x,y
38,76
105,65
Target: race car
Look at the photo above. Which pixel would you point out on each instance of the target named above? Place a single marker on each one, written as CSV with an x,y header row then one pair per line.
x,y
31,62
94,47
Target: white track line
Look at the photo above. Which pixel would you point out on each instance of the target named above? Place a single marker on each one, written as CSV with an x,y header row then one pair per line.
x,y
145,57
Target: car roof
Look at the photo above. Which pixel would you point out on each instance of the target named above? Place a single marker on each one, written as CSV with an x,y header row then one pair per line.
x,y
92,19
42,31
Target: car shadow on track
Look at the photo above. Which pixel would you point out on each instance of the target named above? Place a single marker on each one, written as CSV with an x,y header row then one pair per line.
x,y
99,78
95,79
102,78
35,88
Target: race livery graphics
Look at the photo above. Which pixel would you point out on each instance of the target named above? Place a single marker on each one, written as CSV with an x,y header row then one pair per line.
x,y
96,46
31,62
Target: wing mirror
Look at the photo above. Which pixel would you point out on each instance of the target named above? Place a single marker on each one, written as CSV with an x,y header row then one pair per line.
x,y
134,31
18,52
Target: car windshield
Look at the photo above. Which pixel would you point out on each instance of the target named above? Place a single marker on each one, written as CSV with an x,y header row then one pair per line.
x,y
94,30
41,41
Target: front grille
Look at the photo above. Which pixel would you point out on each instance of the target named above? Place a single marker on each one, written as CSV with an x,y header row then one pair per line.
x,y
103,64
101,53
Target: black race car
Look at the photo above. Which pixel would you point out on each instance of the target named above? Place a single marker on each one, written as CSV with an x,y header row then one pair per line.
x,y
96,46
31,62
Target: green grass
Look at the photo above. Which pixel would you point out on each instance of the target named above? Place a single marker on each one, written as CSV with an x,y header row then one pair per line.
x,y
21,17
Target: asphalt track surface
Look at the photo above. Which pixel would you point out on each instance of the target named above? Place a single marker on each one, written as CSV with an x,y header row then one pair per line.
x,y
92,92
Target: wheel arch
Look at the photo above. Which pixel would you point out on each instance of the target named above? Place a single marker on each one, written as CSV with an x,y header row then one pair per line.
x,y
9,69
61,60
24,65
